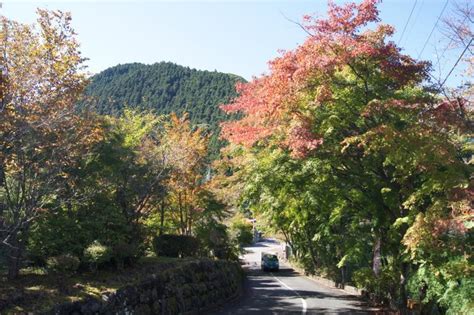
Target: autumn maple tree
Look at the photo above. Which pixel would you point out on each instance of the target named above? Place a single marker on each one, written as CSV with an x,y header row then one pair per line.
x,y
282,102
188,198
40,135
352,155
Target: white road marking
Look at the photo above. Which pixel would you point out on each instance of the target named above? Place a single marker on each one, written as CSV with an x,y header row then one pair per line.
x,y
303,301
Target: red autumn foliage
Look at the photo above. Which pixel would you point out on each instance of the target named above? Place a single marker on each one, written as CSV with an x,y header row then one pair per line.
x,y
270,103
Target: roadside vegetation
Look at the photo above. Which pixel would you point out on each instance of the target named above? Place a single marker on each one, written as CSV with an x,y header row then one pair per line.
x,y
347,147
39,289
88,201
363,162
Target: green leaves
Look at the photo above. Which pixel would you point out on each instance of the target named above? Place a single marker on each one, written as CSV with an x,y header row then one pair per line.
x,y
399,222
385,172
163,88
390,197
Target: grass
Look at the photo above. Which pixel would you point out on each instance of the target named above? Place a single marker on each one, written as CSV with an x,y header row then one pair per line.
x,y
37,290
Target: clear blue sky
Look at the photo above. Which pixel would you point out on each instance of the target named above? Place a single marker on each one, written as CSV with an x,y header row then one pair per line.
x,y
228,36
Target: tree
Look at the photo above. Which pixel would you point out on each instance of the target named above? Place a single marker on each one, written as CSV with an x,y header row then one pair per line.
x,y
458,29
40,135
188,197
129,168
349,148
142,169
118,185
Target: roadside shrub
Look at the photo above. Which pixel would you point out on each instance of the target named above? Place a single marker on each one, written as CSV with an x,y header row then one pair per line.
x,y
124,253
381,287
175,245
72,230
54,234
215,241
448,286
63,263
97,254
242,232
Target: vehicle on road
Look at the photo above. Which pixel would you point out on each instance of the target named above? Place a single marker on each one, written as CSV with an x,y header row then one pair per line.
x,y
270,262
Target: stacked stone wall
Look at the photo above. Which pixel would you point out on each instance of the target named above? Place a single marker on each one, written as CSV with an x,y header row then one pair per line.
x,y
191,288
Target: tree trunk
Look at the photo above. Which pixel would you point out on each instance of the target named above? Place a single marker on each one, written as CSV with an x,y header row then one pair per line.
x,y
181,215
343,276
162,216
403,292
377,264
311,249
14,260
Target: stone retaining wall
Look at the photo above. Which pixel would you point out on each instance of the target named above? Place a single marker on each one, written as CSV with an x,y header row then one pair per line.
x,y
190,288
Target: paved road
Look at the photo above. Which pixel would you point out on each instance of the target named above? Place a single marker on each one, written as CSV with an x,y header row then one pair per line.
x,y
287,292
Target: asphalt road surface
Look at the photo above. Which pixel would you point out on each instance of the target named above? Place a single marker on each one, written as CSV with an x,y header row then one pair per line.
x,y
287,292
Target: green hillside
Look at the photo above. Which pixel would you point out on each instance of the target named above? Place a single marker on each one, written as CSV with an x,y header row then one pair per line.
x,y
164,88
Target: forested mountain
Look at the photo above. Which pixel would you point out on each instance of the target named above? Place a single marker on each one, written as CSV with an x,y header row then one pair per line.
x,y
164,88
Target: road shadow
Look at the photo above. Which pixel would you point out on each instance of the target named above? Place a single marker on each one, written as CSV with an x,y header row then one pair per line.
x,y
264,295
259,245
269,240
287,272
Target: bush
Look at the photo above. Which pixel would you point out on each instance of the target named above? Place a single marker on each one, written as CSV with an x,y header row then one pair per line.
x,y
448,286
242,232
54,234
72,230
126,253
97,254
382,287
63,263
215,241
175,245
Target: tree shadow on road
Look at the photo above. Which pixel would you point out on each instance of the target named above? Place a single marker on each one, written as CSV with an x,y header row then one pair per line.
x,y
263,294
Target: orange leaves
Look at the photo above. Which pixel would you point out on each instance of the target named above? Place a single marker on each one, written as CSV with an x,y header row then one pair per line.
x,y
184,147
40,83
41,68
184,150
438,230
417,235
323,94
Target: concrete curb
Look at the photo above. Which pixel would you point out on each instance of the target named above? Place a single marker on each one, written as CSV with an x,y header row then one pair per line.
x,y
347,289
320,280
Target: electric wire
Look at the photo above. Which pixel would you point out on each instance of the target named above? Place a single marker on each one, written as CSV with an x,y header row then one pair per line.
x,y
417,15
408,20
432,30
457,62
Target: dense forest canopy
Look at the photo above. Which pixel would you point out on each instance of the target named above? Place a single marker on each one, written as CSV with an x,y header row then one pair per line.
x,y
163,88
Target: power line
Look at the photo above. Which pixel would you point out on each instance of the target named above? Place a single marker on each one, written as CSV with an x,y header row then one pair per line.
x,y
457,61
416,14
406,24
432,30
